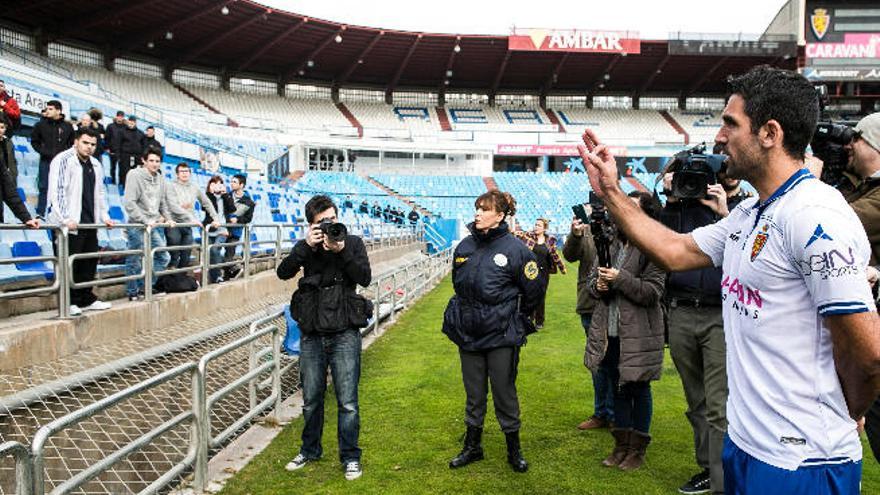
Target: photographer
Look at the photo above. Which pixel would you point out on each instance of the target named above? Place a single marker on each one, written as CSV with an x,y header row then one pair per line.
x,y
695,324
329,313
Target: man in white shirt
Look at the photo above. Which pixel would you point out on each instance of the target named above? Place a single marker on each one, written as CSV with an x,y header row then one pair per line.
x,y
802,333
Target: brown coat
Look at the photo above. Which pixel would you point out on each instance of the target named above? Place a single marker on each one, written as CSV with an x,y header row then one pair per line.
x,y
639,288
865,200
582,250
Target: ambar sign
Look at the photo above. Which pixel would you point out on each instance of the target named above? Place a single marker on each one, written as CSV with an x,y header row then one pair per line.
x,y
574,41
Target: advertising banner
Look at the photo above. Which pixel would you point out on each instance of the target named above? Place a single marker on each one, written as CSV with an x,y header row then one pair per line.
x,y
558,40
32,101
547,150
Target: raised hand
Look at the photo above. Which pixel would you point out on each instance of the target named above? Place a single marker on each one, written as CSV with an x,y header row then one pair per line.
x,y
599,163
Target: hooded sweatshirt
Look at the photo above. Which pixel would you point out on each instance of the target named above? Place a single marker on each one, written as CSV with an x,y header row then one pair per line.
x,y
145,197
180,193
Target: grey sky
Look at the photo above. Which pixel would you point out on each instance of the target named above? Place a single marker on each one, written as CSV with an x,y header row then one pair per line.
x,y
653,19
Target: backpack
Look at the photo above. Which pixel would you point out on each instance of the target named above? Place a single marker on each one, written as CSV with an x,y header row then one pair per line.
x,y
176,282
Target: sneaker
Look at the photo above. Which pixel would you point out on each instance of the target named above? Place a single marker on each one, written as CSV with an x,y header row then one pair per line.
x,y
98,305
75,310
136,297
219,280
353,470
298,462
699,483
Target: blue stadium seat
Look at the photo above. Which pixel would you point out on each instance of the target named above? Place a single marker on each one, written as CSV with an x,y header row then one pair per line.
x,y
116,214
24,249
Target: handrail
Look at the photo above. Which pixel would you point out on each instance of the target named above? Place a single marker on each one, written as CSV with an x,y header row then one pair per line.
x,y
23,466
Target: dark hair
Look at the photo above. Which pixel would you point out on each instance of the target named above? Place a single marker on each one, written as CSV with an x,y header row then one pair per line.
x,y
212,180
84,131
152,150
96,114
781,95
496,200
318,204
180,166
5,120
132,118
150,127
647,202
54,103
120,113
241,178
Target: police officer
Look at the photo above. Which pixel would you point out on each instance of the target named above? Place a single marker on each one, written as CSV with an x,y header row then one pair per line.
x,y
496,287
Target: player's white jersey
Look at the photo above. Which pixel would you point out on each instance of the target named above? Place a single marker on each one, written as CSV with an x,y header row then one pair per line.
x,y
788,262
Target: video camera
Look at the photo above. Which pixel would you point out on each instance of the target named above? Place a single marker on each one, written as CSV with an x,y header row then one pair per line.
x,y
694,170
829,141
333,231
601,229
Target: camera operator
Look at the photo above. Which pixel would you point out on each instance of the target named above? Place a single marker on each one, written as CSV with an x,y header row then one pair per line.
x,y
864,163
329,313
696,327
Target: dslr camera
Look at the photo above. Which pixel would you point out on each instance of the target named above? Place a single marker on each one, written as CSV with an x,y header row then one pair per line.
x,y
694,170
829,141
333,231
601,229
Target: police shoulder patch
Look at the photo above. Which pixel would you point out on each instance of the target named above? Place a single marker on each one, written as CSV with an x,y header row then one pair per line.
x,y
531,270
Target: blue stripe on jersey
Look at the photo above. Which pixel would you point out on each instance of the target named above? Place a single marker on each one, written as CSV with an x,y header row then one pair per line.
x,y
844,311
823,307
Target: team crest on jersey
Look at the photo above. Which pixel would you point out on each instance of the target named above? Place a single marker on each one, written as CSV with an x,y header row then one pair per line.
x,y
531,270
460,260
500,260
819,22
760,241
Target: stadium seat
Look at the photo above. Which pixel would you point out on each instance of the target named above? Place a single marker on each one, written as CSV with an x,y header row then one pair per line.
x,y
24,249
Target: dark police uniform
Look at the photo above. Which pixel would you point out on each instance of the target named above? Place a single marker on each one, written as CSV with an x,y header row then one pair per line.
x,y
497,285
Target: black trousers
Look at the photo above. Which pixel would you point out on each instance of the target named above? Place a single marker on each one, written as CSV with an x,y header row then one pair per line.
x,y
114,164
127,161
497,367
85,241
538,314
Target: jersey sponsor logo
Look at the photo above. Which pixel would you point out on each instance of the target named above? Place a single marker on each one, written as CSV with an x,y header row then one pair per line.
x,y
830,264
760,241
793,441
818,234
735,236
744,300
531,270
500,260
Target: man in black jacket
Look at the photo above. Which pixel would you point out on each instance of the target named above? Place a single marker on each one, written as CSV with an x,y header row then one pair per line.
x,y
132,144
151,141
696,335
242,214
50,136
8,190
329,265
113,139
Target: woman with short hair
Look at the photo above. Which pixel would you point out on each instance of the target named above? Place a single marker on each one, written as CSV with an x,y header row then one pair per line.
x,y
543,246
497,286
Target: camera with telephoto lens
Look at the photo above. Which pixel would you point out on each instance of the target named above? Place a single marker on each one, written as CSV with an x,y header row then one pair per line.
x,y
693,171
601,229
333,231
829,143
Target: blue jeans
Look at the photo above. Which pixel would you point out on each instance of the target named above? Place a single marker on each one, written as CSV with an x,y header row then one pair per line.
x,y
342,353
633,404
133,264
216,257
603,390
179,236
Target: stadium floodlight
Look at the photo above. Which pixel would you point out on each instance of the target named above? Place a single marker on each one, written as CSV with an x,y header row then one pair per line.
x,y
169,35
456,48
449,73
310,63
150,45
301,72
224,10
607,76
338,38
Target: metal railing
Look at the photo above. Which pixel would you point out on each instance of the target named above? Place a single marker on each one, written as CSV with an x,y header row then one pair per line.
x,y
391,292
379,236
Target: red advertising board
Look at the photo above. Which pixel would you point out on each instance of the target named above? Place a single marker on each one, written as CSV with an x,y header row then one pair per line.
x,y
574,40
547,150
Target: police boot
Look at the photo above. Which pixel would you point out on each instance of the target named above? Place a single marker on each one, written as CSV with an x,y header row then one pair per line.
x,y
621,447
635,457
514,453
472,450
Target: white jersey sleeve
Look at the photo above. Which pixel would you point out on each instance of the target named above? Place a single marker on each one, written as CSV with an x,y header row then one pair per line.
x,y
711,240
829,248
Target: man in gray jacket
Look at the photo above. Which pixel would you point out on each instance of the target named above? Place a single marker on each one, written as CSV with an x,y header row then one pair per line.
x,y
182,195
146,202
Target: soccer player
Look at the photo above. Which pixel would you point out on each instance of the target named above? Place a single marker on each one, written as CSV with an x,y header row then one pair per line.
x,y
802,333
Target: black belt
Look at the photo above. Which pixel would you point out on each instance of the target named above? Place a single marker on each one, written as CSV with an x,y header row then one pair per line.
x,y
675,302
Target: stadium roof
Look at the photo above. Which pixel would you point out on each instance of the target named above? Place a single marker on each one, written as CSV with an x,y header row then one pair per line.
x,y
251,38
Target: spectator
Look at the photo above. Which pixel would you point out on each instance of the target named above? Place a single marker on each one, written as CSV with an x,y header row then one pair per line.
x,y
413,217
97,115
865,165
50,136
579,247
347,204
86,121
183,194
496,287
113,139
223,205
151,141
132,144
8,190
146,202
242,214
76,197
377,210
330,332
7,150
365,207
626,339
9,107
543,246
